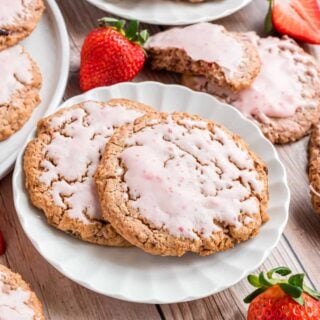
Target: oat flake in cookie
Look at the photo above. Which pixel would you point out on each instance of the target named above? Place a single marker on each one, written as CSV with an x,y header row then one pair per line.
x,y
20,82
60,162
170,184
17,301
285,97
18,18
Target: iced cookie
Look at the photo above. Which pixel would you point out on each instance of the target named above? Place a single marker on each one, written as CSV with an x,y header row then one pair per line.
x,y
285,97
17,300
18,18
170,184
314,167
60,162
205,49
20,82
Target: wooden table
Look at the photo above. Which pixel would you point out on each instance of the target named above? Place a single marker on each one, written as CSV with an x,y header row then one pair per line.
x,y
299,247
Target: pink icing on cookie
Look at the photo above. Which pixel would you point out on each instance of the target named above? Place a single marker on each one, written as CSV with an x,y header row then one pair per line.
x,y
13,10
185,178
202,41
278,89
73,155
15,69
13,303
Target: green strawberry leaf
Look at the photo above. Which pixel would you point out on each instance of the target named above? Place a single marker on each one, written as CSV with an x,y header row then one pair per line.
x,y
282,271
264,281
313,293
254,294
297,280
143,36
132,30
254,280
299,300
268,26
292,291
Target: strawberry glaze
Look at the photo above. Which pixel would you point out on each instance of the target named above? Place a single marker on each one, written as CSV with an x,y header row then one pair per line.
x,y
185,178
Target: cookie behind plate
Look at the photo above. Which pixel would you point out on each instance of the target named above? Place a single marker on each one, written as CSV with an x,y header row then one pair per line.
x,y
18,18
284,99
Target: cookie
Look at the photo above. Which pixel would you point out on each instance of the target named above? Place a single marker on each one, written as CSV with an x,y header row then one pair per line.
x,y
17,300
314,167
284,99
60,162
19,90
205,49
170,184
18,18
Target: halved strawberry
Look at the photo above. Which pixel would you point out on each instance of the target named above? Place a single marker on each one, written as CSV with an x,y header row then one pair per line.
x,y
299,19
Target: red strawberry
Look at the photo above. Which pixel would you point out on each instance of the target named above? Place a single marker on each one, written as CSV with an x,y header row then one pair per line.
x,y
2,244
299,19
282,299
111,54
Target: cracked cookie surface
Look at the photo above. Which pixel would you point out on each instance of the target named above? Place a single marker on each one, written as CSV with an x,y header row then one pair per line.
x,y
17,300
19,90
60,162
18,18
284,99
314,167
170,184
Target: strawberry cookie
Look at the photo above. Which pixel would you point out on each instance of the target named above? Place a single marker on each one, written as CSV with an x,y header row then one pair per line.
x,y
170,184
285,97
18,18
205,49
19,89
60,162
17,301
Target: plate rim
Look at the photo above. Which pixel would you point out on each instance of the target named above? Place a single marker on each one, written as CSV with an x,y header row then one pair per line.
x,y
127,297
175,22
63,39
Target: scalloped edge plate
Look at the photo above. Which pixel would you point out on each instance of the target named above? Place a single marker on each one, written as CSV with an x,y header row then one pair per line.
x,y
129,273
51,30
170,12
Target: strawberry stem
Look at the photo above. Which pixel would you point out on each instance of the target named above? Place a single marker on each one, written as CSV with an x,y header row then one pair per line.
x,y
131,32
293,286
268,26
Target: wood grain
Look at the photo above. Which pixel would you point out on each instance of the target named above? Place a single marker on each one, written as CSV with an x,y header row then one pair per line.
x,y
299,247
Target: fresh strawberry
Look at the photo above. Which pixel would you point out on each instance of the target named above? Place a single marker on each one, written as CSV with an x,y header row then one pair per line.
x,y
299,19
111,53
2,244
281,298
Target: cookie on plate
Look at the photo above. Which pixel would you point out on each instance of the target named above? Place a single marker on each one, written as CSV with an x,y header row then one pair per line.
x,y
17,300
314,167
18,18
205,49
285,97
19,90
170,184
60,162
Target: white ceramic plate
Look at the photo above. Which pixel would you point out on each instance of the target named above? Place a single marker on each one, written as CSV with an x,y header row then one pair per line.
x,y
170,12
49,47
130,274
